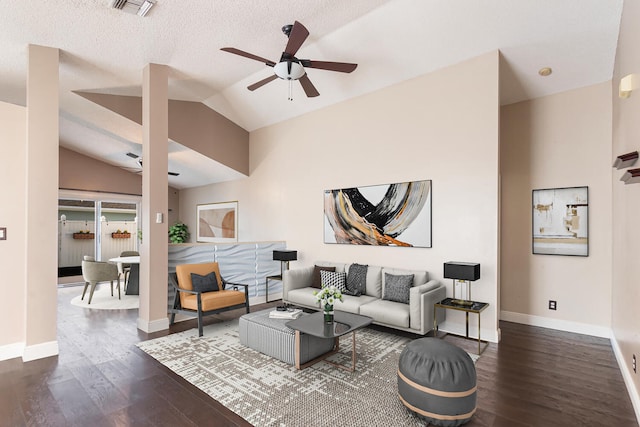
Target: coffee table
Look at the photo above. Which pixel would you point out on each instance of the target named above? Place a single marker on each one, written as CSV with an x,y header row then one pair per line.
x,y
314,324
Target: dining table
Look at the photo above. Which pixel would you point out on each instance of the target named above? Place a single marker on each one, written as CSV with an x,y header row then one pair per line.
x,y
133,285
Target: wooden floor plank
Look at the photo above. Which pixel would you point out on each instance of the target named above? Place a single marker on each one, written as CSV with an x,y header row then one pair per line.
x,y
535,377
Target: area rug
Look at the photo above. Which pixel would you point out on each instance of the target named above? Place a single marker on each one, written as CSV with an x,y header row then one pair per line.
x,y
102,299
267,392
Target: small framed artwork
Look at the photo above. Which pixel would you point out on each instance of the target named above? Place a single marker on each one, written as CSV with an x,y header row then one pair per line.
x,y
3,233
217,222
561,221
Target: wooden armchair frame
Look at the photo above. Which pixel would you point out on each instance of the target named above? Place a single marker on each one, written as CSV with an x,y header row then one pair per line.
x,y
199,313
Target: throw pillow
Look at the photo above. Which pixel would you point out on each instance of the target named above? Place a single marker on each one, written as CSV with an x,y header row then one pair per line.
x,y
316,279
396,287
331,278
208,283
357,279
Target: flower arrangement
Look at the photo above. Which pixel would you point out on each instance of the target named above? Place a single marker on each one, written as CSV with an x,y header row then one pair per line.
x,y
327,296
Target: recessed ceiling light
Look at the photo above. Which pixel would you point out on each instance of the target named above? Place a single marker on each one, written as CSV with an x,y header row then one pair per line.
x,y
546,71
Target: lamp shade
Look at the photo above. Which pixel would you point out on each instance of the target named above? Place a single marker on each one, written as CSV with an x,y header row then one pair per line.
x,y
285,255
461,270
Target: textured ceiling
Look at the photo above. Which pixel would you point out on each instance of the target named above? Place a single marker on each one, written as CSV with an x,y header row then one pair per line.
x,y
105,50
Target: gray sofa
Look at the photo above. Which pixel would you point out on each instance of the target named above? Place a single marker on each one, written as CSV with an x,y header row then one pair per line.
x,y
416,316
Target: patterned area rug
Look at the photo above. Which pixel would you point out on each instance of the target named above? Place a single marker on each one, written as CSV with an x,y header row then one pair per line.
x,y
268,392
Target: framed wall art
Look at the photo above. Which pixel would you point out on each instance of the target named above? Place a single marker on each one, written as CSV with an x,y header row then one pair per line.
x,y
561,221
217,222
381,215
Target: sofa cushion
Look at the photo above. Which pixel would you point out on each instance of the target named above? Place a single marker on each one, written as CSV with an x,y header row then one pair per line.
x,y
304,297
316,280
387,312
374,281
357,279
397,287
352,304
332,278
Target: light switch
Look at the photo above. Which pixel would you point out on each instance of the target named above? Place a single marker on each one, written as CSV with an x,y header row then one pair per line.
x,y
3,233
159,218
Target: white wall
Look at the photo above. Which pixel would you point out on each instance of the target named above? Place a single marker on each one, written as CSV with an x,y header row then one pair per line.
x,y
442,126
563,140
626,206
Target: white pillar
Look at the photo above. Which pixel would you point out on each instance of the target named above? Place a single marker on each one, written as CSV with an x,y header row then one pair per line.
x,y
41,203
152,315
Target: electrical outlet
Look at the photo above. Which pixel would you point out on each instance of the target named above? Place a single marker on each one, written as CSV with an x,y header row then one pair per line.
x,y
633,363
552,304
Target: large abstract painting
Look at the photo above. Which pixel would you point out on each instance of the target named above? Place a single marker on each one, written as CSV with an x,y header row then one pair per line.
x,y
217,222
381,215
560,221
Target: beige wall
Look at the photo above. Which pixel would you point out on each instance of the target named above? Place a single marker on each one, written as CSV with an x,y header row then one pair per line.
x,y
626,205
13,141
556,141
442,126
80,172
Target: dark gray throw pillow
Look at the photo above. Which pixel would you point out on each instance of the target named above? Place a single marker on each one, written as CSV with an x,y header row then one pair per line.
x,y
208,283
396,287
357,279
315,280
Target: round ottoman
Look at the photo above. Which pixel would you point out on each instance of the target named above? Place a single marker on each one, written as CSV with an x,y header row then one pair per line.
x,y
437,381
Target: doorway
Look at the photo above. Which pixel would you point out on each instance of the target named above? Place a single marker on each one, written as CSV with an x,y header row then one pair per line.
x,y
98,225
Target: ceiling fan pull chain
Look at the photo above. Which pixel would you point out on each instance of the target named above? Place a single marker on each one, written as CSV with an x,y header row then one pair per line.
x,y
290,90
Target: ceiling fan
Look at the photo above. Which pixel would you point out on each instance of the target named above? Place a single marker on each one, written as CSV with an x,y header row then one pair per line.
x,y
291,68
138,160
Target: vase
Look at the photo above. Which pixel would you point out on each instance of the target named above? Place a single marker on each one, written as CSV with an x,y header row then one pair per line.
x,y
328,313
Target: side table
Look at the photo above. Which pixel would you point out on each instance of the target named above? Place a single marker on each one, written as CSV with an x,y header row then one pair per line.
x,y
266,287
469,307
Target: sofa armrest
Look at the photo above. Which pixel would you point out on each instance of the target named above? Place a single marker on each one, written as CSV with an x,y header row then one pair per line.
x,y
421,301
296,279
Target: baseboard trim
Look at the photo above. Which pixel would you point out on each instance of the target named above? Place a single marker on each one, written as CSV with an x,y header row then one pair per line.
x,y
154,325
561,325
627,376
40,351
11,351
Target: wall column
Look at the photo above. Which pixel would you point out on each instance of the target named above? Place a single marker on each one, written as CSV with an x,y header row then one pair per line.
x,y
41,203
152,315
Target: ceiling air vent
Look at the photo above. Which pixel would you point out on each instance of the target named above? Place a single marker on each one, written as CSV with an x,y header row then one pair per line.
x,y
137,7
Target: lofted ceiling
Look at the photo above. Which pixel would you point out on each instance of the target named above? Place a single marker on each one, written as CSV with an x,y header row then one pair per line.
x,y
105,50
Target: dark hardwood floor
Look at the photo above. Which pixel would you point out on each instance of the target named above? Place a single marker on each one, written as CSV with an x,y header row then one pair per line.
x,y
535,377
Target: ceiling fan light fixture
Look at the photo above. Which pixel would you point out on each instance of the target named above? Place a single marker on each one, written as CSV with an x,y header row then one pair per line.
x,y
289,70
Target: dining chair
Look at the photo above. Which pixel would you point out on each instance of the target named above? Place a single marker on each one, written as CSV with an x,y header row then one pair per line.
x,y
124,269
94,272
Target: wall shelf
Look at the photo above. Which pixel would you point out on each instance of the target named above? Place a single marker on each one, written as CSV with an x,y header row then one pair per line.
x,y
631,176
626,160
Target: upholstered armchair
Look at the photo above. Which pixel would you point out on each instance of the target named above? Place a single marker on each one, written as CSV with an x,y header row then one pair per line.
x,y
94,272
201,291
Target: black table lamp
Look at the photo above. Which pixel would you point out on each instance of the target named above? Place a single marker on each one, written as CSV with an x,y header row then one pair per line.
x,y
464,272
284,257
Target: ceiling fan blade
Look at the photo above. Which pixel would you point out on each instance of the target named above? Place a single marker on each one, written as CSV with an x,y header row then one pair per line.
x,y
174,173
132,155
342,67
297,36
262,82
308,87
248,55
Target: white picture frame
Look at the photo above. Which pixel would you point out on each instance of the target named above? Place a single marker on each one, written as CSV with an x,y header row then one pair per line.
x,y
217,222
